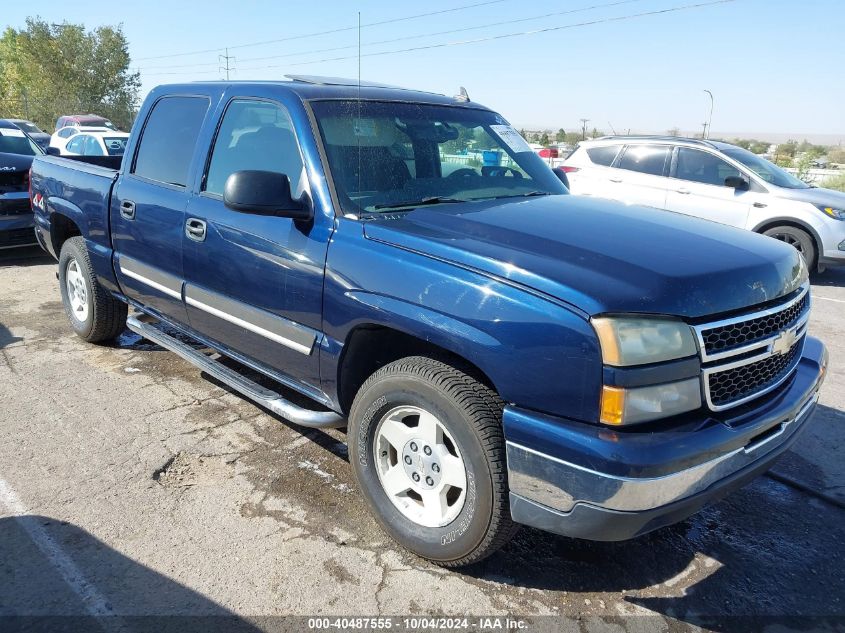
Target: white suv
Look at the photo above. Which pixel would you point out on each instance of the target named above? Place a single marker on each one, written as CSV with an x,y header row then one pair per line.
x,y
715,181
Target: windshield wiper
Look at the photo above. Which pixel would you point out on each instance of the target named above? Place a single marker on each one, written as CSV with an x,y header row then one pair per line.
x,y
528,194
417,203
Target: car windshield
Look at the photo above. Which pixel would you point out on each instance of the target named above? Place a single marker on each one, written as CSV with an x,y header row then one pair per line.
x,y
389,155
28,127
767,171
14,141
115,145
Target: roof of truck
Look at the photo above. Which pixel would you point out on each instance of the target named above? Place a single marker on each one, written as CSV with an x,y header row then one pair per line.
x,y
309,87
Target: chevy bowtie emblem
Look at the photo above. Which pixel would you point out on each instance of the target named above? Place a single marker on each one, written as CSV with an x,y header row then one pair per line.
x,y
784,342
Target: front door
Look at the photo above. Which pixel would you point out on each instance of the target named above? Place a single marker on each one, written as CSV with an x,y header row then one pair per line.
x,y
148,206
254,283
698,188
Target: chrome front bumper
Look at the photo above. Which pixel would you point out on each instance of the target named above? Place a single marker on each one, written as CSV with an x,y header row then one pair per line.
x,y
555,494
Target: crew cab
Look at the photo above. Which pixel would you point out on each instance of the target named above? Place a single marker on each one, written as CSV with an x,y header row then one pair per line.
x,y
500,352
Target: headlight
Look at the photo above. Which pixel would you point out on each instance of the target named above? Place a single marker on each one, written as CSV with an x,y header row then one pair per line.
x,y
642,404
629,341
833,212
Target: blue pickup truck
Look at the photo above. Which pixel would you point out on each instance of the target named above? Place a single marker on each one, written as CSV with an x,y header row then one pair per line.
x,y
501,352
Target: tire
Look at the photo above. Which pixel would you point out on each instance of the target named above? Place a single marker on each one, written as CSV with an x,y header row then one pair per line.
x,y
94,313
798,238
474,521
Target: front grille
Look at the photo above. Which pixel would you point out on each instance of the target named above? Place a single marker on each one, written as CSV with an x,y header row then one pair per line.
x,y
737,334
745,357
13,180
15,207
17,237
738,384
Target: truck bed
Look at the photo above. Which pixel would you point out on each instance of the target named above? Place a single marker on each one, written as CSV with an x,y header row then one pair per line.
x,y
80,188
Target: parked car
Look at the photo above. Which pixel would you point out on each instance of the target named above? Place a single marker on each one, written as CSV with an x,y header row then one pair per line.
x,y
35,133
17,150
715,181
60,138
96,144
84,120
501,352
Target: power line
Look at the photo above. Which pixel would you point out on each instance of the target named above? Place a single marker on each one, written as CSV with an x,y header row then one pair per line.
x,y
224,63
505,35
491,38
338,30
411,37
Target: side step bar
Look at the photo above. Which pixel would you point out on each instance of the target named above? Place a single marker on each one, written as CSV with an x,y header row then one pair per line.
x,y
243,385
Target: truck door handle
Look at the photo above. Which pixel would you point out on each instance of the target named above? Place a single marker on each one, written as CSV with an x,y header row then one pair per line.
x,y
683,191
615,180
127,209
760,205
195,229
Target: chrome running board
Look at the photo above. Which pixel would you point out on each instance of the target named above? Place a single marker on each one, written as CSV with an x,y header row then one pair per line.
x,y
146,327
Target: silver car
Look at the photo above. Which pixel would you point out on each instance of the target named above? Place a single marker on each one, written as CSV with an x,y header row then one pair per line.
x,y
715,181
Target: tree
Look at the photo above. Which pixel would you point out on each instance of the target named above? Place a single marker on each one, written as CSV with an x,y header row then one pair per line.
x,y
836,155
758,147
673,131
544,139
573,138
560,137
47,70
597,133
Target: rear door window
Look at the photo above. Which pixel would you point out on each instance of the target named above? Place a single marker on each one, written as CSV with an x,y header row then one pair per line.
x,y
76,145
603,155
169,138
645,159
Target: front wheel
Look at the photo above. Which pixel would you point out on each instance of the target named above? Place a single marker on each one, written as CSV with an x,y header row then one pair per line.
x,y
94,314
428,452
799,239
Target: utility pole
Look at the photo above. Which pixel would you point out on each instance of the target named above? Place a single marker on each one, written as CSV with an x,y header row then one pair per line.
x,y
704,131
225,62
584,129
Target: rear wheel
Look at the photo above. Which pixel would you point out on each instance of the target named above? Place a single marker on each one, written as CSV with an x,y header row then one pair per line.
x,y
799,239
94,313
428,452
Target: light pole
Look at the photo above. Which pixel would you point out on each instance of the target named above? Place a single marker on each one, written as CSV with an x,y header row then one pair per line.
x,y
710,121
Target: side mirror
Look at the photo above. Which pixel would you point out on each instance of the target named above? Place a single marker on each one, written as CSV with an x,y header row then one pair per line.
x,y
561,175
737,182
52,151
264,193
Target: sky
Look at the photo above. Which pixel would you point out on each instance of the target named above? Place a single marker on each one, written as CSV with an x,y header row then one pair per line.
x,y
773,66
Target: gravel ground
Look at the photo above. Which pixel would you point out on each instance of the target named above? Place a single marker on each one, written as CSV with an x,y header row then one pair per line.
x,y
131,485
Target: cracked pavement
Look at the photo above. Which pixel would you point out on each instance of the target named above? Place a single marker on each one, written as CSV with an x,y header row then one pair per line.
x,y
171,495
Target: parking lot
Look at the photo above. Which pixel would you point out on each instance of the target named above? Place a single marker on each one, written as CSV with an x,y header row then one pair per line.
x,y
132,485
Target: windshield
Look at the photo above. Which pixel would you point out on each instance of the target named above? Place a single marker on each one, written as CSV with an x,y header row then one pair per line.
x,y
389,155
14,141
28,127
115,145
766,170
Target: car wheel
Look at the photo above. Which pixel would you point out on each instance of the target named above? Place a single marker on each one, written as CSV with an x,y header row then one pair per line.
x,y
428,453
94,313
799,239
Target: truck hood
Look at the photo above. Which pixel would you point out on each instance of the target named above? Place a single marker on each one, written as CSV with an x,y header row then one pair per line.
x,y
14,162
814,195
602,256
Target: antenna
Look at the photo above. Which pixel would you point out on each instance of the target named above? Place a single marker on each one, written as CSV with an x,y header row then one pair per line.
x,y
358,122
610,125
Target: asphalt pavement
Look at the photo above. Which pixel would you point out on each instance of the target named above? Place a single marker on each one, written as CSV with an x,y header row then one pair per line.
x,y
131,485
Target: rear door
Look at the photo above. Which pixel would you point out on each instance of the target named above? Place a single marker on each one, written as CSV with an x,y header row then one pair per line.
x,y
698,188
254,283
639,175
148,204
589,169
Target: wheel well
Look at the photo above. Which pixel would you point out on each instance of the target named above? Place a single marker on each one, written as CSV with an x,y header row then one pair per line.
x,y
795,224
62,228
370,347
